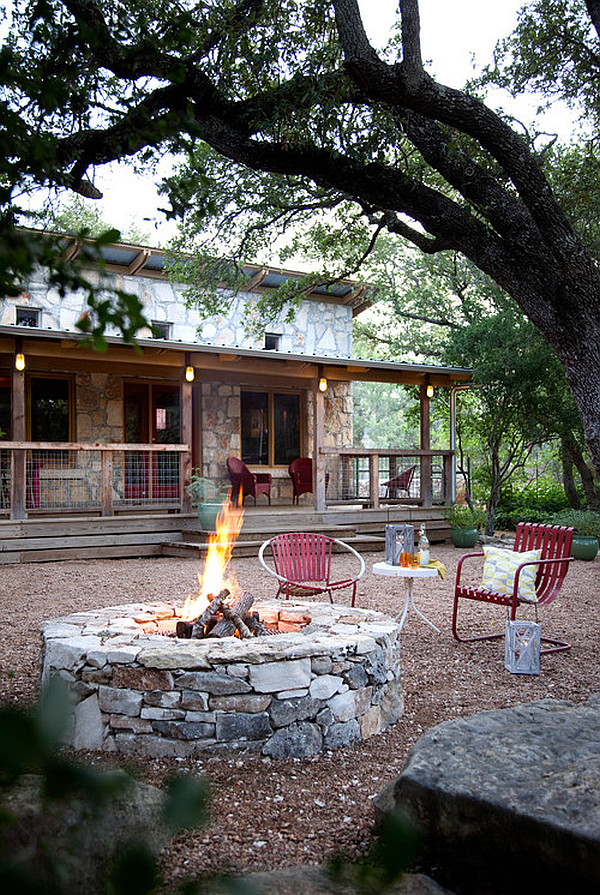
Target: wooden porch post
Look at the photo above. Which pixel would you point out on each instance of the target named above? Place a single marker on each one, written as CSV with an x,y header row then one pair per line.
x,y
185,466
318,460
18,458
106,484
426,489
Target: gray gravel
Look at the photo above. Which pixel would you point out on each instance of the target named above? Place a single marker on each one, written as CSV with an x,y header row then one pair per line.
x,y
270,813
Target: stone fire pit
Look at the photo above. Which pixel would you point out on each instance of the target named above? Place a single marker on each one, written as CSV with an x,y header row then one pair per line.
x,y
332,679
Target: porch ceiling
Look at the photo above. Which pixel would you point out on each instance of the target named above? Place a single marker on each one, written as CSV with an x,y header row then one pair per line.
x,y
165,359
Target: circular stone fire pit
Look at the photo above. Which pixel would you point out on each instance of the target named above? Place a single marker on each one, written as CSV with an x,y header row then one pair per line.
x,y
329,678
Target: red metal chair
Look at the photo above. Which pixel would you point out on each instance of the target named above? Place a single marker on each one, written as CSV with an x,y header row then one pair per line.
x,y
245,483
400,482
303,564
555,543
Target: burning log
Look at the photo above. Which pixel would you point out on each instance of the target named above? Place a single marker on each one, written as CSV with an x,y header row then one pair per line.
x,y
221,620
227,626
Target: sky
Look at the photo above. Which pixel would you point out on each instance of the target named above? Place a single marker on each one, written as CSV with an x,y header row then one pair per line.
x,y
457,37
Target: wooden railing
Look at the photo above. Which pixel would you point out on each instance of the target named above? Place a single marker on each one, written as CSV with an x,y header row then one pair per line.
x,y
372,477
60,477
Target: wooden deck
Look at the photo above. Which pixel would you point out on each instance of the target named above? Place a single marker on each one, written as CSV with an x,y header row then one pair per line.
x,y
175,534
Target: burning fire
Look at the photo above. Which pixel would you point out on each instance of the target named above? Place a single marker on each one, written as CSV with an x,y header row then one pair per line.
x,y
215,577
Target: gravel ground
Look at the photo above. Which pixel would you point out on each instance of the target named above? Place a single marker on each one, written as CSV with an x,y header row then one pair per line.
x,y
269,813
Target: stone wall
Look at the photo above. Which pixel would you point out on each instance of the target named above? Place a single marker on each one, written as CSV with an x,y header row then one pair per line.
x,y
318,328
289,695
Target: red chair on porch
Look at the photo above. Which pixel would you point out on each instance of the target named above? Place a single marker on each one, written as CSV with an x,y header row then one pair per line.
x,y
245,483
400,482
300,471
547,574
303,564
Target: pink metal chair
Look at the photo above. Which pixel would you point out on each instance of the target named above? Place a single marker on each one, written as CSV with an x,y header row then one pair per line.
x,y
302,564
555,543
400,482
245,483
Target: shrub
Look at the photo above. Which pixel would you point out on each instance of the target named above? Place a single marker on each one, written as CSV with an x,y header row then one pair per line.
x,y
585,522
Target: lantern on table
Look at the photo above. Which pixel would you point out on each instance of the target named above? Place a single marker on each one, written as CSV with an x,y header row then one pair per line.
x,y
522,647
399,540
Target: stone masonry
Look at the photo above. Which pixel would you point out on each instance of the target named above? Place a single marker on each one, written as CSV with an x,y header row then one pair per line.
x,y
335,682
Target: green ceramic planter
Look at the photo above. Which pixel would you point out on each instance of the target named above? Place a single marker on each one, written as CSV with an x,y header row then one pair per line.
x,y
464,537
584,547
207,514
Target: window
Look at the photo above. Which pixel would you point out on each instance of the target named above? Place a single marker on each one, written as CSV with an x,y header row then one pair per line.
x,y
161,330
272,342
27,317
271,428
50,409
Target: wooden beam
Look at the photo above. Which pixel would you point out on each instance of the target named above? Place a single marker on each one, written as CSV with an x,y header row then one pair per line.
x,y
138,262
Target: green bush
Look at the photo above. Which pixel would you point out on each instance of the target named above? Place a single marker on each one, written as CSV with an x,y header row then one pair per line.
x,y
585,522
459,515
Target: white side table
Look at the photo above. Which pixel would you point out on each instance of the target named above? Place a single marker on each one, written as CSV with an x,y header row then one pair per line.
x,y
385,568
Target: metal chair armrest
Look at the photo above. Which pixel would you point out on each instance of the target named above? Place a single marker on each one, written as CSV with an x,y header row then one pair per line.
x,y
461,561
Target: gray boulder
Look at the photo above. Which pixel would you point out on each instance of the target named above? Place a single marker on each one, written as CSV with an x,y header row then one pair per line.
x,y
510,796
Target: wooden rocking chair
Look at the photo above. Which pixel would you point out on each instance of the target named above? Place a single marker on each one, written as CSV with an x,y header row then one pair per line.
x,y
302,564
555,544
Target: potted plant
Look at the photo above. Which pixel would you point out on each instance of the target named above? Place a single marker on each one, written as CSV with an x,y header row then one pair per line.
x,y
586,538
208,497
465,524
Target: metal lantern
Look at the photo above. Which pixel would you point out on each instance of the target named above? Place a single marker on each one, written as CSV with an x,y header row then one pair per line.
x,y
398,539
522,647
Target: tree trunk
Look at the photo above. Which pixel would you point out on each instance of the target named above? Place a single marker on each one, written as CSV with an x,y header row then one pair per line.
x,y
568,478
587,478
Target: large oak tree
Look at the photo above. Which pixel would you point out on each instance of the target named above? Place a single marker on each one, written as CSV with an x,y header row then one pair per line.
x,y
293,88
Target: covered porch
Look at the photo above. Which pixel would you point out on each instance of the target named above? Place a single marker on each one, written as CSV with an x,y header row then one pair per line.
x,y
187,402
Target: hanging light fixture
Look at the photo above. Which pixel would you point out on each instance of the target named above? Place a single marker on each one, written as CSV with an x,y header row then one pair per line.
x,y
323,384
19,361
430,390
190,372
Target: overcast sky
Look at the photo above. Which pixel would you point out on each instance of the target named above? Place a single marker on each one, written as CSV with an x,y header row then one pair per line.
x,y
458,38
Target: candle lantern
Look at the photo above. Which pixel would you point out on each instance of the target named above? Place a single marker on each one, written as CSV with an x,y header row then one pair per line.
x,y
522,647
399,539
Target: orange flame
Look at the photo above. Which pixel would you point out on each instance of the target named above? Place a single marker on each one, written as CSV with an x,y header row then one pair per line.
x,y
215,576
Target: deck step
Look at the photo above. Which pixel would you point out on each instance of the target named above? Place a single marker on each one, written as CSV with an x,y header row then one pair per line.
x,y
250,547
266,531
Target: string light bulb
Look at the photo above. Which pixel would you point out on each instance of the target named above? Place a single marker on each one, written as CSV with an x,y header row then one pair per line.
x,y
19,361
430,391
190,373
323,384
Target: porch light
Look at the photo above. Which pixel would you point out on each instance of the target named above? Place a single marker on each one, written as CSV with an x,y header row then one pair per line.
x,y
323,384
19,361
190,373
522,647
430,391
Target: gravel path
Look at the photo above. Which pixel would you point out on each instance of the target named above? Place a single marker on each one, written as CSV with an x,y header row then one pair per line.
x,y
272,813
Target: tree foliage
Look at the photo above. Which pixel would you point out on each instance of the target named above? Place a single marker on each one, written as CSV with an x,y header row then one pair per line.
x,y
293,89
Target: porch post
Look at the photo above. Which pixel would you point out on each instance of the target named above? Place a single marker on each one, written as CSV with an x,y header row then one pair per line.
x,y
18,457
426,490
318,460
185,465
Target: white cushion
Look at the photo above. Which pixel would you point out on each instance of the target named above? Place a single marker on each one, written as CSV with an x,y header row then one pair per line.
x,y
500,567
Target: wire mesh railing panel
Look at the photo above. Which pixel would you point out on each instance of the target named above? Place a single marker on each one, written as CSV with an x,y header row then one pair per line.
x,y
62,479
4,481
398,476
146,478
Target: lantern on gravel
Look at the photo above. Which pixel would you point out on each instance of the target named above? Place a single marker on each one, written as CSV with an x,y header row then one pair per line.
x,y
522,647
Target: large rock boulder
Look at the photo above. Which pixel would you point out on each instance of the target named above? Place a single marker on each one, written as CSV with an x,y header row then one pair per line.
x,y
509,800
311,880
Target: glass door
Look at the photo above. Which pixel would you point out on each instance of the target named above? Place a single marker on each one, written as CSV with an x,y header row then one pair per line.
x,y
151,417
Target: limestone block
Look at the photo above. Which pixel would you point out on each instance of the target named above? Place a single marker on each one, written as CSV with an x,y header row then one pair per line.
x,y
142,679
156,713
241,726
88,727
299,740
213,682
183,656
135,725
69,653
325,686
250,704
285,711
163,699
371,722
120,702
272,677
184,730
194,700
342,734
